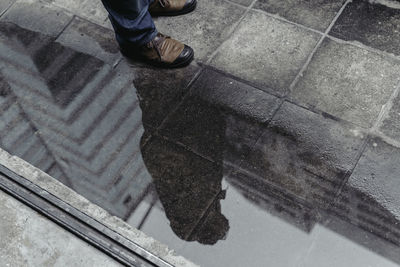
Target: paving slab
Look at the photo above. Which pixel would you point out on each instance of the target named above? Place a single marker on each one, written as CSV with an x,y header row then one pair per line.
x,y
88,9
4,5
271,217
390,125
150,218
245,3
331,249
235,96
376,175
305,154
221,118
316,14
38,16
374,25
186,184
267,52
190,164
30,239
207,130
370,198
87,37
224,233
348,82
160,91
205,29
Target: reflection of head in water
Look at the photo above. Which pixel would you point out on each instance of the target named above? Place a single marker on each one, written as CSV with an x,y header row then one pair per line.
x,y
215,227
188,185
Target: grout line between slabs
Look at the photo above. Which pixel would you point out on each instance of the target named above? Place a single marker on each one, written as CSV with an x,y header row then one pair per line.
x,y
277,17
97,22
249,8
7,8
65,27
349,173
184,97
365,47
305,66
385,109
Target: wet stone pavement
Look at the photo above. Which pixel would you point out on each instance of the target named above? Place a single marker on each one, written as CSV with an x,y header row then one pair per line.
x,y
278,146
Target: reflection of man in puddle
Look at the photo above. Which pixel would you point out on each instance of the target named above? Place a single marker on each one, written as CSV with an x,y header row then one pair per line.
x,y
137,35
188,186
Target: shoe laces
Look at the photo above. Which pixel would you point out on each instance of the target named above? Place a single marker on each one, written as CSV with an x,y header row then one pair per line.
x,y
164,3
157,42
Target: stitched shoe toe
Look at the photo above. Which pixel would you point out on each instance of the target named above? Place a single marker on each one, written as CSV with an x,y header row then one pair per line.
x,y
185,57
190,5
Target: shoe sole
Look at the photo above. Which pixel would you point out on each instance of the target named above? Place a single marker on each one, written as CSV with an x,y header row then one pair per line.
x,y
164,65
183,11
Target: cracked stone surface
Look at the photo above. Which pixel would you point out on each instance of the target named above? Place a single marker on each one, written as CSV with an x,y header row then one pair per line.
x,y
277,146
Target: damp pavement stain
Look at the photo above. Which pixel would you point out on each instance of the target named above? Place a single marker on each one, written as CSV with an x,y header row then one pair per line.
x,y
284,147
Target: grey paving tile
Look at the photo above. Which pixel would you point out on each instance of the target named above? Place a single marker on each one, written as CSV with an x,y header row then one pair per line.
x,y
216,121
266,52
316,14
243,2
107,24
160,90
205,28
305,154
224,233
269,217
89,38
374,25
5,4
348,82
340,243
377,177
91,10
235,96
370,199
153,221
37,16
391,124
209,131
186,184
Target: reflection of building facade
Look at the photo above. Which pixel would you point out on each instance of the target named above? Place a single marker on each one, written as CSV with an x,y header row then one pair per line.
x,y
72,116
77,119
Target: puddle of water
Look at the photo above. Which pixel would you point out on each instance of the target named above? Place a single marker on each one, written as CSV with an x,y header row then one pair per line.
x,y
216,186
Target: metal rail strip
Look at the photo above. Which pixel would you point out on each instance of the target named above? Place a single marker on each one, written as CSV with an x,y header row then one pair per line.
x,y
85,227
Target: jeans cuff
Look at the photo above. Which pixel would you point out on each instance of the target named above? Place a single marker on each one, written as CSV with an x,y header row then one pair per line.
x,y
149,38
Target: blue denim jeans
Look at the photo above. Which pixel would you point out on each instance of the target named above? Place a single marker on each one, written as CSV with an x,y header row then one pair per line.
x,y
132,22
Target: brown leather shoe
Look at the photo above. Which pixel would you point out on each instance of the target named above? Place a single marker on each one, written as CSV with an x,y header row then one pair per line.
x,y
172,7
162,51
